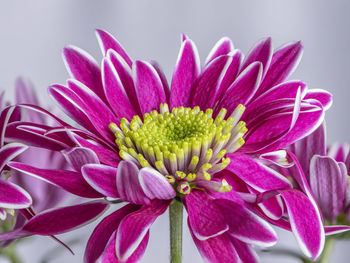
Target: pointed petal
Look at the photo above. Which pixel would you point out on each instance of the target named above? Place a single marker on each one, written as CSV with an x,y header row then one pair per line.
x,y
102,233
333,230
97,111
284,61
223,47
216,249
107,41
135,226
84,68
154,184
128,184
79,156
12,196
125,75
243,88
284,90
70,181
305,221
149,87
205,218
186,71
115,91
215,79
245,225
255,174
34,135
102,178
72,105
162,77
261,52
61,220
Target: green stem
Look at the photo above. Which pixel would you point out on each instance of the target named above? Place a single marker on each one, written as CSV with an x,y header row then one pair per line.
x,y
10,253
327,251
175,218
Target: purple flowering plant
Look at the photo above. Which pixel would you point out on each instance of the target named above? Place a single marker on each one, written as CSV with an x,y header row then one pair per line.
x,y
231,140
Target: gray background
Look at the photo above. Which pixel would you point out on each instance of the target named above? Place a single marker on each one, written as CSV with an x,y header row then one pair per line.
x,y
33,33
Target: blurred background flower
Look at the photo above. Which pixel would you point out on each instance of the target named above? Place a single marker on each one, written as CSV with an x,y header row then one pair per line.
x,y
33,33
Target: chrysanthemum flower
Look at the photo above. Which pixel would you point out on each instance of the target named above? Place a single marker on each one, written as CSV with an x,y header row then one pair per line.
x,y
147,144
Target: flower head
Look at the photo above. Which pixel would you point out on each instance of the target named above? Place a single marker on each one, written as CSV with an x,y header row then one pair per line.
x,y
147,144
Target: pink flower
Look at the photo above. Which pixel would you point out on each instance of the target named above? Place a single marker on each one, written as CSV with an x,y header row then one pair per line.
x,y
194,142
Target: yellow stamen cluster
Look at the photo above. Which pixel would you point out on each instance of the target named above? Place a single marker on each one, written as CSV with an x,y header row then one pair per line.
x,y
186,145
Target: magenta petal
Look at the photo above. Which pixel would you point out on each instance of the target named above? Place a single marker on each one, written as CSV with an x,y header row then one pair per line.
x,y
216,249
246,252
102,178
5,117
243,88
273,207
97,111
284,90
328,184
333,230
305,221
186,71
72,105
283,63
162,77
255,174
116,92
309,119
322,96
107,41
9,152
102,233
128,184
12,196
261,52
245,225
125,75
311,145
215,79
110,256
34,135
70,181
64,219
223,47
149,87
25,93
205,218
135,226
84,68
105,155
155,185
79,156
